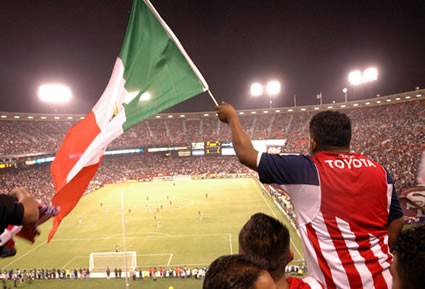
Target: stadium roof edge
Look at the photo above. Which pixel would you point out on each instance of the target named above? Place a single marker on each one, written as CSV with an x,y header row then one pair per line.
x,y
381,100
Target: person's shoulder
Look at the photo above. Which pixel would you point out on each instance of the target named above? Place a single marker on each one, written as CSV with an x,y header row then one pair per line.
x,y
304,283
296,283
5,197
292,157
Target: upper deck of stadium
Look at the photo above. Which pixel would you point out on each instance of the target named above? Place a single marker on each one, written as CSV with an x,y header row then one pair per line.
x,y
27,134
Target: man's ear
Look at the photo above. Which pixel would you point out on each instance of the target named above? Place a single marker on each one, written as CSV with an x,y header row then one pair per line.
x,y
313,145
291,256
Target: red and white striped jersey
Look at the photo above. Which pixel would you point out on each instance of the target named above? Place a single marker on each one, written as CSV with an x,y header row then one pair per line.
x,y
343,202
305,283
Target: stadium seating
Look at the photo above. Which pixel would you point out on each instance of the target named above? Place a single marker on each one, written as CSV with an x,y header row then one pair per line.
x,y
392,134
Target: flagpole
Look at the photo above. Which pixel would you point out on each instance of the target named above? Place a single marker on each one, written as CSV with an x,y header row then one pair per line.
x,y
127,285
212,97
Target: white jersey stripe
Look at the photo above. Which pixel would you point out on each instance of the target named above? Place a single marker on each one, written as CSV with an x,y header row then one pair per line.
x,y
382,257
328,250
313,283
353,247
310,256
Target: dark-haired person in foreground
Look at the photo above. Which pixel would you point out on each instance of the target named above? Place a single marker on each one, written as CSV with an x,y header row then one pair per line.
x,y
408,268
267,238
348,212
238,272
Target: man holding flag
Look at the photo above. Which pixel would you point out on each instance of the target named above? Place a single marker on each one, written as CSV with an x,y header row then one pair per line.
x,y
151,73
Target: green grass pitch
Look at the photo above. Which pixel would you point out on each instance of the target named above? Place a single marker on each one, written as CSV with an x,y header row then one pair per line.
x,y
182,237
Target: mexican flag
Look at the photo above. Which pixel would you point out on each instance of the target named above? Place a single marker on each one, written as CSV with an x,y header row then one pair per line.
x,y
151,73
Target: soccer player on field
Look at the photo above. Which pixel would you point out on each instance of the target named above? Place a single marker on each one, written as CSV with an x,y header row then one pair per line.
x,y
348,212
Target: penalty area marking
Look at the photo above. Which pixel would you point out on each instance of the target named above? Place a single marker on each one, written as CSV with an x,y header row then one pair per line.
x,y
30,251
72,260
169,259
171,255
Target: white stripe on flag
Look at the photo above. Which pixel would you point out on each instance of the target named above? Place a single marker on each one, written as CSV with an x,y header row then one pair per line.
x,y
103,111
112,97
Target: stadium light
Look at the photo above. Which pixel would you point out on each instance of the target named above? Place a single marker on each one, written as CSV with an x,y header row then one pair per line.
x,y
370,74
357,77
257,89
146,96
273,88
54,93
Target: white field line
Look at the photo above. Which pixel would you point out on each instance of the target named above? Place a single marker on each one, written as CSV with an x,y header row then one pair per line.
x,y
274,214
160,254
30,251
140,237
72,259
175,265
230,243
169,260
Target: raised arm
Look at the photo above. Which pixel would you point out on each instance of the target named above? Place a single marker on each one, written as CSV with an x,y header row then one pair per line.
x,y
244,149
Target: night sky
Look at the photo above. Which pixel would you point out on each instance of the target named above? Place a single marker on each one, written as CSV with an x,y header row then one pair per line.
x,y
310,46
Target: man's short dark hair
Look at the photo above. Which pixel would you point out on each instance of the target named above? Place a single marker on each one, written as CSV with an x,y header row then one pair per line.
x,y
331,128
267,238
234,272
410,253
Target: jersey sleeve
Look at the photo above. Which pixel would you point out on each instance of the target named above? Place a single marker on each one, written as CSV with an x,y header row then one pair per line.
x,y
287,169
396,211
11,212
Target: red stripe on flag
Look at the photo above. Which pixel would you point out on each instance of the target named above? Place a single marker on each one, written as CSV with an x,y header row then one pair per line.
x,y
77,140
67,198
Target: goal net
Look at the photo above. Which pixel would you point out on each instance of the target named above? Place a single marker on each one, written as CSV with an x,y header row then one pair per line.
x,y
99,261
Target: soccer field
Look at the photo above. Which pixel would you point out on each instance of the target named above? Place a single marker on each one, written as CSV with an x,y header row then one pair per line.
x,y
169,224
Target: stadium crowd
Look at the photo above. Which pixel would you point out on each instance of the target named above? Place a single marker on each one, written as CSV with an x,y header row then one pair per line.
x,y
28,275
390,134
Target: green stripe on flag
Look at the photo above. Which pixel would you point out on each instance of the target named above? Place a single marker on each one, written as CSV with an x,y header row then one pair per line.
x,y
153,66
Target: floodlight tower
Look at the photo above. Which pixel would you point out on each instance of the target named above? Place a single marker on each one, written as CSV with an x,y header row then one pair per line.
x,y
272,88
358,77
54,94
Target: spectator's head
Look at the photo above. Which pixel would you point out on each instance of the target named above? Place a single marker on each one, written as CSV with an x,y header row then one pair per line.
x,y
267,238
238,272
330,130
408,267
